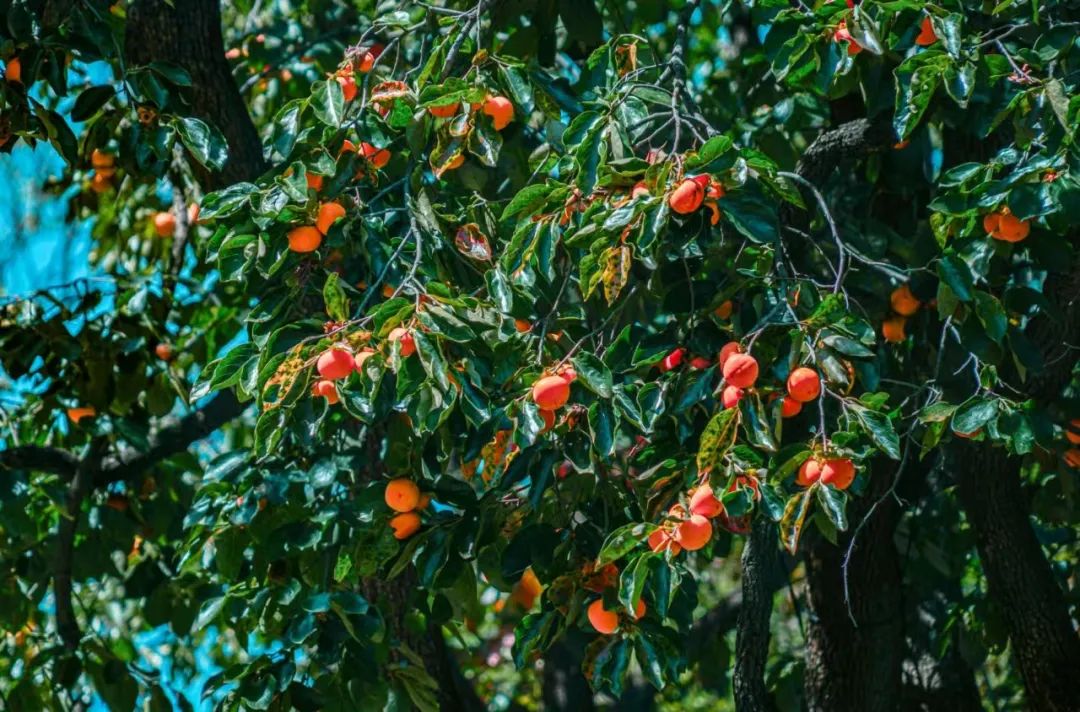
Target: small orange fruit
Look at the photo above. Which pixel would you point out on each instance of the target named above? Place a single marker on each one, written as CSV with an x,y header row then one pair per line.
x,y
741,370
402,495
672,360
1072,458
693,533
164,224
500,110
663,540
327,390
77,414
329,213
809,472
548,417
163,351
334,364
445,111
405,525
893,329
402,335
724,310
522,326
551,392
13,71
730,349
804,384
314,181
790,407
926,36
705,503
903,302
838,472
601,619
304,239
730,396
1072,431
378,157
348,86
687,197
361,356
639,610
1011,228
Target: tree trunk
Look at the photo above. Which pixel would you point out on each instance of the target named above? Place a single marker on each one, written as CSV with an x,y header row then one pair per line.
x,y
188,34
565,688
759,562
853,657
1045,644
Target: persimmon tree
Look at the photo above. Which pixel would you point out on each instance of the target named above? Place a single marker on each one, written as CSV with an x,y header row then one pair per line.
x,y
596,332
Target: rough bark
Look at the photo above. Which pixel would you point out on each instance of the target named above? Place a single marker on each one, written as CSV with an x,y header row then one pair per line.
x,y
854,656
188,34
759,562
1045,642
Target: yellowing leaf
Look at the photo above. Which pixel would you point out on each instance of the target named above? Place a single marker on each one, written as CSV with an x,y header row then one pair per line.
x,y
616,271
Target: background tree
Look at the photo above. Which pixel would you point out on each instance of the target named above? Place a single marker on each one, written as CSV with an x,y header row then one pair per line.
x,y
534,353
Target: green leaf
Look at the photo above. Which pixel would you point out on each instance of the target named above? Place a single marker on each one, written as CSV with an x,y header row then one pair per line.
x,y
957,275
328,102
90,101
974,414
880,429
224,203
622,541
594,374
337,304
794,518
717,439
916,81
992,316
834,503
204,142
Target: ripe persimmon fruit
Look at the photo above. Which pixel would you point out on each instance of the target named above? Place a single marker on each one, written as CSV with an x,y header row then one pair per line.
x,y
164,224
304,239
405,338
551,392
327,390
809,472
501,111
329,213
705,503
730,396
694,532
335,363
405,525
402,495
838,472
602,620
687,197
445,111
804,384
903,302
893,329
741,370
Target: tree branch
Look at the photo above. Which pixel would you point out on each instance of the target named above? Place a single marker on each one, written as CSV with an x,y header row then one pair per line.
x,y
175,437
39,458
66,623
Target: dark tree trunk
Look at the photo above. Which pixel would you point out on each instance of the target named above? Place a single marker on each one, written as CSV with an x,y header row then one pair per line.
x,y
393,598
1044,639
855,664
759,563
1045,644
188,34
932,684
565,688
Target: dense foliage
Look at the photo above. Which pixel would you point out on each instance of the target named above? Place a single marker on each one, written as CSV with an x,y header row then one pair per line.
x,y
552,319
